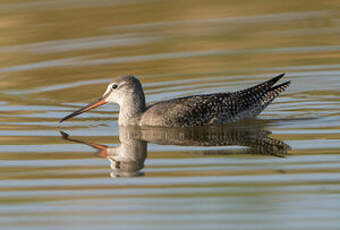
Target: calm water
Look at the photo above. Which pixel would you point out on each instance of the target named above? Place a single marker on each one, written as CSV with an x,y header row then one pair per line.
x,y
281,171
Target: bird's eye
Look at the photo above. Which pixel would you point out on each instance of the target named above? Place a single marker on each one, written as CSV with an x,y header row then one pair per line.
x,y
114,86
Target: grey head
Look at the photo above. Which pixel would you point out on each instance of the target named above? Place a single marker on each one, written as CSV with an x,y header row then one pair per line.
x,y
127,92
123,88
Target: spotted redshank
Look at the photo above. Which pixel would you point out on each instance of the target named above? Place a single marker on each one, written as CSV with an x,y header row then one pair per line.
x,y
197,110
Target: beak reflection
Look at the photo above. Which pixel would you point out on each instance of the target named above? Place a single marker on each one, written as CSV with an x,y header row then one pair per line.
x,y
86,108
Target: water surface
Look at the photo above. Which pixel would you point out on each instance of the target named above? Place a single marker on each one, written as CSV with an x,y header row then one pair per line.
x,y
281,171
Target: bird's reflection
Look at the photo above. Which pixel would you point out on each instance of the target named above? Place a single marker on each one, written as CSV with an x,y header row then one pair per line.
x,y
127,160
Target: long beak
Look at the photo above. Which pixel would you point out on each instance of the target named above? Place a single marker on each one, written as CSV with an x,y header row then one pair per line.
x,y
88,107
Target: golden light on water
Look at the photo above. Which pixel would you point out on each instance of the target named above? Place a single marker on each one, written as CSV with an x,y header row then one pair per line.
x,y
55,56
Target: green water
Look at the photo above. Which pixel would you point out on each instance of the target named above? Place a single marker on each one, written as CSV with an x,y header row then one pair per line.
x,y
281,171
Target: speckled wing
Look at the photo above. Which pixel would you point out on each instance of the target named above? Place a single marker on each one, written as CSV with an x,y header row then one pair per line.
x,y
249,103
214,109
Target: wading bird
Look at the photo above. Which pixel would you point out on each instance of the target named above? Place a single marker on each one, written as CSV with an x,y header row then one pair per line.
x,y
190,111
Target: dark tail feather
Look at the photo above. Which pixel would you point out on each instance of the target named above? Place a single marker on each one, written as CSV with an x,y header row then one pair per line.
x,y
272,81
280,88
264,86
275,91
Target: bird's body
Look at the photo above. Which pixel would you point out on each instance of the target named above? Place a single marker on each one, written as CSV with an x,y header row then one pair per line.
x,y
197,110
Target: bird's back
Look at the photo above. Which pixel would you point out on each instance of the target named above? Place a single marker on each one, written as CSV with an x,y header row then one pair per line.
x,y
213,109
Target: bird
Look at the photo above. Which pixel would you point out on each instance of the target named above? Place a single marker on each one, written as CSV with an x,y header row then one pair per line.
x,y
190,111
